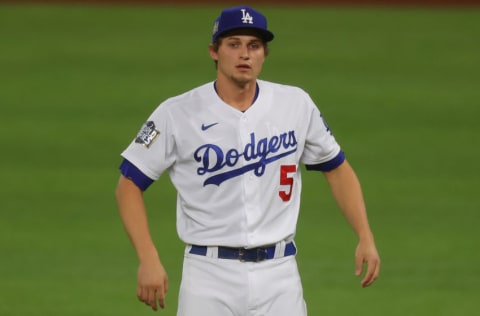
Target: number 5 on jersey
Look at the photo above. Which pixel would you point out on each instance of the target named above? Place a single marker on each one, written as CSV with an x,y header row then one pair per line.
x,y
285,179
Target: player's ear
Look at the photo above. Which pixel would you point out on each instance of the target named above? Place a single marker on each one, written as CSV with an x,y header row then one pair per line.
x,y
213,52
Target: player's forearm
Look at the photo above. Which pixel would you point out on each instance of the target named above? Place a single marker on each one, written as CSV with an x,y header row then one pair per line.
x,y
133,214
348,194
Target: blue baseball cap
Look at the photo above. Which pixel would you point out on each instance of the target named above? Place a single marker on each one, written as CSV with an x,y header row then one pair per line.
x,y
238,18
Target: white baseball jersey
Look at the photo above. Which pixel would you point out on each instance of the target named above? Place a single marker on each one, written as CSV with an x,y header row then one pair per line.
x,y
237,173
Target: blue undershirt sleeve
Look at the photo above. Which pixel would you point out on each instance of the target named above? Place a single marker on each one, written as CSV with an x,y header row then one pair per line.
x,y
328,165
133,173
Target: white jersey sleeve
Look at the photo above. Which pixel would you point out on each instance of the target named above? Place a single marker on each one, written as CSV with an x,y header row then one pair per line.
x,y
153,150
320,144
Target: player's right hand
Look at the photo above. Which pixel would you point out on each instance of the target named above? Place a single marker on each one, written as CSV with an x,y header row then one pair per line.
x,y
152,284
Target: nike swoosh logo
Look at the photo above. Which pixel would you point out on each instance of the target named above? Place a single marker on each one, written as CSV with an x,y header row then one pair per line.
x,y
205,127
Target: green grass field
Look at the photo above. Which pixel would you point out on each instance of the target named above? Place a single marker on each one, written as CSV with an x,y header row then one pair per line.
x,y
399,87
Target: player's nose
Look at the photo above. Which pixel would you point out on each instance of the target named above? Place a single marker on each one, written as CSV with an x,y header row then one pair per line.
x,y
244,52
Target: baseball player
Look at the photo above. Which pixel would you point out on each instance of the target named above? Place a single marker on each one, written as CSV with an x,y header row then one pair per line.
x,y
233,149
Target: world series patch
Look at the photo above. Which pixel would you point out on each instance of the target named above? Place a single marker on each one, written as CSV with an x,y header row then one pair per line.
x,y
147,134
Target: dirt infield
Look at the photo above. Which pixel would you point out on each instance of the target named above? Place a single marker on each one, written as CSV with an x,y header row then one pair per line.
x,y
260,2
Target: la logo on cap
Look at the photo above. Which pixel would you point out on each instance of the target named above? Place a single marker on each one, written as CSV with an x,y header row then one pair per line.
x,y
241,17
246,17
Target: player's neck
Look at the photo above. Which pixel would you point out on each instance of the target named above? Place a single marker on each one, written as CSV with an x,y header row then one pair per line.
x,y
240,97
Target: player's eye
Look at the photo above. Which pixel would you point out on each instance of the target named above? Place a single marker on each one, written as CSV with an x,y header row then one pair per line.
x,y
254,45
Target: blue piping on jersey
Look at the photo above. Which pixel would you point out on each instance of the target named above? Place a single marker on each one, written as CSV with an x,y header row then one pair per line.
x,y
329,165
133,173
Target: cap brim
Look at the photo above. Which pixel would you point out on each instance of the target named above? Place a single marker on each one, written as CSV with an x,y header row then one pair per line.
x,y
266,35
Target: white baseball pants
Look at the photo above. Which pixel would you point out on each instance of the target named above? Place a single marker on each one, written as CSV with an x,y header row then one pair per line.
x,y
229,287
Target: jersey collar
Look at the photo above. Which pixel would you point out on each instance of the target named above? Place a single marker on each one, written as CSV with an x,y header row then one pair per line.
x,y
257,90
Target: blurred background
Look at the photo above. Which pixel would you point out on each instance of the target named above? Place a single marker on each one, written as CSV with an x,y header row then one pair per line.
x,y
397,81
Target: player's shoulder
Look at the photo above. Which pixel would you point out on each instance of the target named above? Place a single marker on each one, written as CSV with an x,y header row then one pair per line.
x,y
185,103
281,88
284,91
197,95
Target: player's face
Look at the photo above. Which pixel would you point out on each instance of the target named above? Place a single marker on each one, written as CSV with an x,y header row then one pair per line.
x,y
239,58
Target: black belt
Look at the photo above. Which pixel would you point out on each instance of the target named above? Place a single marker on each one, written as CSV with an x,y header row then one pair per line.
x,y
247,255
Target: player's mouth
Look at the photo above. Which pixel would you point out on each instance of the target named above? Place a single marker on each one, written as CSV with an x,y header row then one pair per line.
x,y
243,67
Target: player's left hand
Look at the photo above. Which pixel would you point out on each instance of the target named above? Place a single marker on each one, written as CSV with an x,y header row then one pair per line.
x,y
367,253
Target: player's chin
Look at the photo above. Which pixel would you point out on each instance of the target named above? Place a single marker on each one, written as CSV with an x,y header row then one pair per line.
x,y
244,78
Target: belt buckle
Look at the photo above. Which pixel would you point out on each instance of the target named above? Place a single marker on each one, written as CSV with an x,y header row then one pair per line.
x,y
241,255
252,255
261,254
